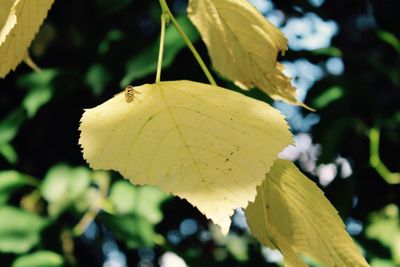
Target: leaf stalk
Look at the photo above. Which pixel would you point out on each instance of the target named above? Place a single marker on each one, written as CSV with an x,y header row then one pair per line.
x,y
161,49
166,10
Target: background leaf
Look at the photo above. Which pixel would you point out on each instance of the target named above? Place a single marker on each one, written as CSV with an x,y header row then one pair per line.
x,y
39,259
19,230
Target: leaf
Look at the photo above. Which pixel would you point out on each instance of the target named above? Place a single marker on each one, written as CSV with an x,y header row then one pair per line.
x,y
292,214
137,212
40,89
144,201
331,94
135,230
63,185
19,230
202,143
384,226
243,45
39,259
19,21
9,153
11,180
390,39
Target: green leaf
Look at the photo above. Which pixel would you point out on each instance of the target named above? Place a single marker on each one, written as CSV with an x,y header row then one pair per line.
x,y
35,99
384,226
97,78
112,36
145,62
39,259
143,201
138,211
328,51
328,96
9,153
19,230
382,263
238,247
390,39
38,79
63,185
40,89
135,230
10,125
11,180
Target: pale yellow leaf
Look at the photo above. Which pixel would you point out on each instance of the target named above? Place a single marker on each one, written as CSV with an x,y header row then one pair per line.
x,y
243,45
290,206
203,143
19,22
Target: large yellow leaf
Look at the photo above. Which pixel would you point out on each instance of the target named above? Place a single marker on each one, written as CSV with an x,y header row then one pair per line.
x,y
243,45
203,143
19,22
291,207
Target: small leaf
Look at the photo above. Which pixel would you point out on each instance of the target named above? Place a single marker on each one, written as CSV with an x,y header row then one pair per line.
x,y
144,201
39,259
11,180
40,89
292,214
97,78
9,153
384,226
390,39
203,143
243,45
136,231
19,230
19,21
328,96
63,185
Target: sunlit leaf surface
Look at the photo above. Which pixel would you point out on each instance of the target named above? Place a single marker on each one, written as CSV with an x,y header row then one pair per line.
x,y
243,45
19,22
292,214
203,143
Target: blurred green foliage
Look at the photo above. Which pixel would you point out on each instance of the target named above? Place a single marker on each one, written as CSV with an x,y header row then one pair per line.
x,y
55,211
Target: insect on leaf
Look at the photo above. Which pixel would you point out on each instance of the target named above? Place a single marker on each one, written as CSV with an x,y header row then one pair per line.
x,y
19,22
202,143
291,213
243,45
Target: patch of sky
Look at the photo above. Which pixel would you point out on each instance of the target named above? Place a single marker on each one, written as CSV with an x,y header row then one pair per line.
x,y
316,3
239,219
335,66
188,227
353,226
170,259
113,256
309,32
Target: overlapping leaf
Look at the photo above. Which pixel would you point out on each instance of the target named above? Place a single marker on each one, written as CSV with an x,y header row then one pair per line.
x,y
19,22
243,45
292,214
203,143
